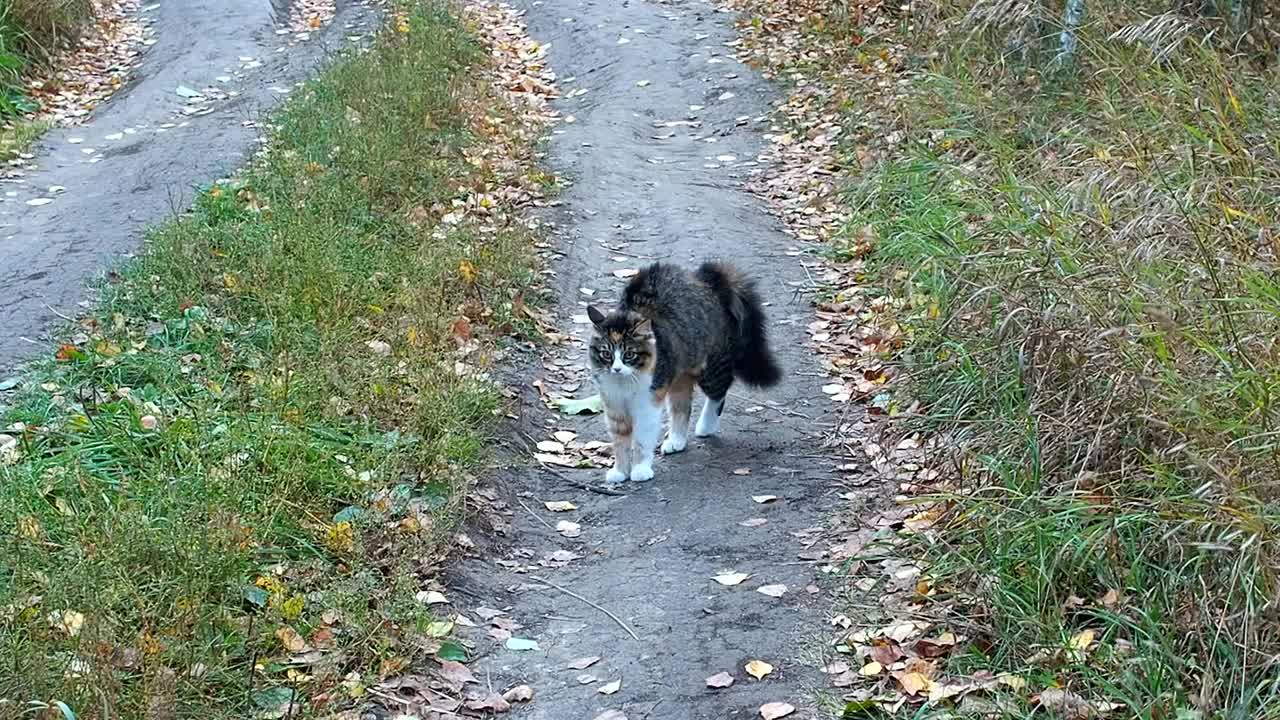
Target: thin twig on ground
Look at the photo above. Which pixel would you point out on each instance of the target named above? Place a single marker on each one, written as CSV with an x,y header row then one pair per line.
x,y
535,515
576,596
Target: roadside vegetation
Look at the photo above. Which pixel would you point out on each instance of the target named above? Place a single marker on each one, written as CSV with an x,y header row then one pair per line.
x,y
31,31
1073,263
226,494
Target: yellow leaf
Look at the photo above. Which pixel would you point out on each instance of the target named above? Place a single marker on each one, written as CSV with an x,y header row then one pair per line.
x,y
871,668
292,608
341,537
412,335
914,683
68,621
1082,640
560,505
230,281
440,628
467,271
758,669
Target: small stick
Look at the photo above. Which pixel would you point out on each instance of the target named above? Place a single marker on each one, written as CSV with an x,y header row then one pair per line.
x,y
545,524
583,486
575,595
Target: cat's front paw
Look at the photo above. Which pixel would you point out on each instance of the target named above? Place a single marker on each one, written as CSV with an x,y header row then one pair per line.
x,y
673,445
641,473
615,476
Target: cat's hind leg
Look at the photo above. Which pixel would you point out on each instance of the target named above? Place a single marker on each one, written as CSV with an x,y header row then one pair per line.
x,y
716,379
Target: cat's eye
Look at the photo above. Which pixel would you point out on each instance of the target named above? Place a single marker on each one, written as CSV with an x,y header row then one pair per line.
x,y
603,353
630,356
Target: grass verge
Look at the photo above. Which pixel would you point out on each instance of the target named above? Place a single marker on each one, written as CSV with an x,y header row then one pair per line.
x,y
1084,271
224,494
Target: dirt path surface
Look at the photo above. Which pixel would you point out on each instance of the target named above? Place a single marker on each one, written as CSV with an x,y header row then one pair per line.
x,y
657,150
139,158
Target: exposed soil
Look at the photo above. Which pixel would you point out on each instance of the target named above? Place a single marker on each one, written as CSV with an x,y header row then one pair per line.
x,y
657,152
139,158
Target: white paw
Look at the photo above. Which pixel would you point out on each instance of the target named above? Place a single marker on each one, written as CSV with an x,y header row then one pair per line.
x,y
615,476
673,445
641,473
707,426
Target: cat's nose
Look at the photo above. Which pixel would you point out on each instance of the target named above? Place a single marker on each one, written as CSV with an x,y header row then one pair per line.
x,y
616,370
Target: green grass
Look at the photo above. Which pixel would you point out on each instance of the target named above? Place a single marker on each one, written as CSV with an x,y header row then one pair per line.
x,y
1101,249
218,454
1091,282
31,31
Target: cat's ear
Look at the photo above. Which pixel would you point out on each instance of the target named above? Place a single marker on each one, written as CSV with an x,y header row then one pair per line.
x,y
597,317
642,328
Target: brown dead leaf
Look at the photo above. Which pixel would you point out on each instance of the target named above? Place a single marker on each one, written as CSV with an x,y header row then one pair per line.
x,y
455,673
291,640
1067,704
492,702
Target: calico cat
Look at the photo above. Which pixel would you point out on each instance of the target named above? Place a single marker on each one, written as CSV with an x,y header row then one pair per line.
x,y
672,330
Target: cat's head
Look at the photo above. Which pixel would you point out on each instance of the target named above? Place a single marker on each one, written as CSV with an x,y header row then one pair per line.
x,y
622,343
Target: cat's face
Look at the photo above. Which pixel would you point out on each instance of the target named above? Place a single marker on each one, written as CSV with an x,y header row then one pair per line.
x,y
622,344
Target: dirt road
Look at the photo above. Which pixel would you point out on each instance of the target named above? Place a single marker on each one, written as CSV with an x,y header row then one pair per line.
x,y
659,143
138,160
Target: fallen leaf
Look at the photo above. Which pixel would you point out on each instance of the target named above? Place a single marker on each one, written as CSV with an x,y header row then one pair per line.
x,y
456,673
753,522
1082,640
610,688
720,680
70,622
730,578
583,663
586,679
432,597
773,591
762,499
610,715
1066,703
519,693
568,529
492,702
565,436
775,710
625,273
758,669
560,505
870,669
590,405
522,644
378,346
291,640
37,202
551,446
835,668
440,628
913,683
742,471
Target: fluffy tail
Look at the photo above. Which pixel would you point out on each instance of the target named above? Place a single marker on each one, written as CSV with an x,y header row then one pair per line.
x,y
753,363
